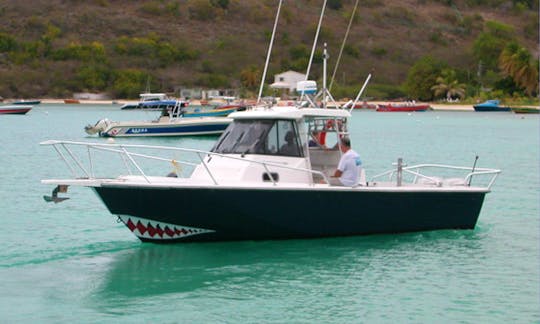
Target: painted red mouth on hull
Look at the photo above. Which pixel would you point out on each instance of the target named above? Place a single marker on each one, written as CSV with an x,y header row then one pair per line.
x,y
156,230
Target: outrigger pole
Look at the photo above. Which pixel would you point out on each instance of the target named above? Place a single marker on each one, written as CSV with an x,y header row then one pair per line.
x,y
360,93
343,45
269,51
315,40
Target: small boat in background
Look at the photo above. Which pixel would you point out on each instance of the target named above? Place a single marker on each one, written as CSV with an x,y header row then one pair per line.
x,y
27,102
152,101
403,107
14,110
525,110
490,105
71,101
365,105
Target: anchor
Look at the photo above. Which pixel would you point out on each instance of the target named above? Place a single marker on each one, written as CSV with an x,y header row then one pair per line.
x,y
54,197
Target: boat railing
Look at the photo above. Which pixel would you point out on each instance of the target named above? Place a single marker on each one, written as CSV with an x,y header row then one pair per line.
x,y
86,170
418,173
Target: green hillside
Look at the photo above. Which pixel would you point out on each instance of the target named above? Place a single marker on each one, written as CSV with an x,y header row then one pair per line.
x,y
54,48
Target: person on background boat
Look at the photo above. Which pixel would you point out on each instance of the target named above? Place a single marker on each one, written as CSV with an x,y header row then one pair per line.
x,y
349,167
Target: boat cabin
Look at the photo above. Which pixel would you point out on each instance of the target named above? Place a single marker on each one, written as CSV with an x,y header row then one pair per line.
x,y
286,144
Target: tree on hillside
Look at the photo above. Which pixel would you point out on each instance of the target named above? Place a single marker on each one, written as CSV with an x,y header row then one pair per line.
x,y
448,85
515,62
250,77
421,77
489,44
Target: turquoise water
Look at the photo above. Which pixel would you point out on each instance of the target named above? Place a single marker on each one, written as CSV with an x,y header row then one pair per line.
x,y
73,262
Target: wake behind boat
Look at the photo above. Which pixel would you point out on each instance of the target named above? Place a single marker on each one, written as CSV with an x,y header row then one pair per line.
x,y
171,123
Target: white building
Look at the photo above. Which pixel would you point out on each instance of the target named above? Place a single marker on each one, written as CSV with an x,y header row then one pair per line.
x,y
287,80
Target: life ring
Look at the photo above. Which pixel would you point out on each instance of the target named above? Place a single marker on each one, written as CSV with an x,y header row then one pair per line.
x,y
321,138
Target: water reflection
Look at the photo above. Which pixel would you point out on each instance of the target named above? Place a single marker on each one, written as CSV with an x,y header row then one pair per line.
x,y
152,270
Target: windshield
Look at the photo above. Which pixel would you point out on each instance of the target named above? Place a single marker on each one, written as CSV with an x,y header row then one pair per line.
x,y
267,137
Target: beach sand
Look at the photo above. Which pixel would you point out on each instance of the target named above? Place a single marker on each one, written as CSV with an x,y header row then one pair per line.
x,y
435,106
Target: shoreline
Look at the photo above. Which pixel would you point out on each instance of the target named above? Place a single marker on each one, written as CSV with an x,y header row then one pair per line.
x,y
434,106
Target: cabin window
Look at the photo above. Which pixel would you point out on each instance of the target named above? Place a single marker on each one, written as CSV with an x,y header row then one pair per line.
x,y
266,137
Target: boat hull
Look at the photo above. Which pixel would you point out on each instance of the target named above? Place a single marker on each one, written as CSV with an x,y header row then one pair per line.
x,y
14,110
27,102
224,214
182,128
391,108
488,108
525,110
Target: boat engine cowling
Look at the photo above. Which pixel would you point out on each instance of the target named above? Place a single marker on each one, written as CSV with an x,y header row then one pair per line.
x,y
100,126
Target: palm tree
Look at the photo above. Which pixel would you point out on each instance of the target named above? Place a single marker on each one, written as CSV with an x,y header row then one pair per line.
x,y
448,85
515,61
507,63
250,77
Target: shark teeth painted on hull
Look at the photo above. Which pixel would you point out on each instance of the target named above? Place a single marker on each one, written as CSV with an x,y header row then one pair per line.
x,y
157,230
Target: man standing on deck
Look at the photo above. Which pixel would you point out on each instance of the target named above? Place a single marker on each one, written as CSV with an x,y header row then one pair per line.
x,y
349,167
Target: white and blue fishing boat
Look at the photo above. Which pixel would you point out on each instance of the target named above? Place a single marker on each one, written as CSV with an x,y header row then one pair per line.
x,y
259,190
170,123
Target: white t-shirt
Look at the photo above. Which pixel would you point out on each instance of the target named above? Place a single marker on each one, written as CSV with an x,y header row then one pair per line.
x,y
350,165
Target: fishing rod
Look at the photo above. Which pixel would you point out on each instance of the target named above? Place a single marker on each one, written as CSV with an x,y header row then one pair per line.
x,y
472,171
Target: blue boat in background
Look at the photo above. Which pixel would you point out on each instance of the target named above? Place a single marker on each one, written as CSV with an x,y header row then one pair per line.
x,y
491,105
27,102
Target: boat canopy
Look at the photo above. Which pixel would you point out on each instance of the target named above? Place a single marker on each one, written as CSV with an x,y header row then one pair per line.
x,y
152,96
289,113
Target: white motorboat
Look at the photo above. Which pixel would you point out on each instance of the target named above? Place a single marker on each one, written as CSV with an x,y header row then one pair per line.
x,y
251,186
247,188
170,123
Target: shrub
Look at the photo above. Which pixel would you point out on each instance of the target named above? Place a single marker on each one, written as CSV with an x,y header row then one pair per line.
x,y
334,4
351,50
128,83
214,80
93,77
8,43
223,4
94,52
421,77
379,51
201,10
